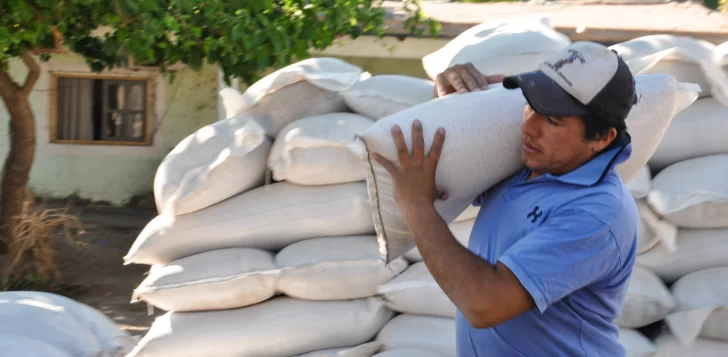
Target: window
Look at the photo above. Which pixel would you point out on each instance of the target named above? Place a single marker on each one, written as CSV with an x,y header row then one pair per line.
x,y
101,110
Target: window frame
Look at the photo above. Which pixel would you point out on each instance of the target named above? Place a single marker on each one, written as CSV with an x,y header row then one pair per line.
x,y
149,97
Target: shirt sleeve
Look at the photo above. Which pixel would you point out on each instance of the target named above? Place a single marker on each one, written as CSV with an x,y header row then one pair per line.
x,y
569,251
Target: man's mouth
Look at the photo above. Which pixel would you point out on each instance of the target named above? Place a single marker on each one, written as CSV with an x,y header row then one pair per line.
x,y
529,148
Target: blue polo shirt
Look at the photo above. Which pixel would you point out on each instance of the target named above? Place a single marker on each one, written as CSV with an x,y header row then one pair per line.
x,y
571,241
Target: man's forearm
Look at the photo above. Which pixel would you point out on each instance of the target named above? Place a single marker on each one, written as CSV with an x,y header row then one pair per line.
x,y
485,294
462,275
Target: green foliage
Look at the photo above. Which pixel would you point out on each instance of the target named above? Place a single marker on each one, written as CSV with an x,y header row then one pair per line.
x,y
244,37
488,0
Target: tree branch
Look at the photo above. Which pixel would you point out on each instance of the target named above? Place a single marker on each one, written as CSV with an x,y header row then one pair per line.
x,y
57,44
33,73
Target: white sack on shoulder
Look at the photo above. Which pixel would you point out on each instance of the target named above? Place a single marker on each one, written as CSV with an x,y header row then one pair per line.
x,y
699,130
436,334
507,47
693,193
334,268
63,324
702,306
269,217
416,292
668,346
365,350
639,186
320,150
689,59
460,229
483,148
279,327
214,280
384,95
697,249
212,164
636,344
647,301
303,89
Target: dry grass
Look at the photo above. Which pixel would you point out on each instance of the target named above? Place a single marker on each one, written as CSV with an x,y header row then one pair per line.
x,y
35,234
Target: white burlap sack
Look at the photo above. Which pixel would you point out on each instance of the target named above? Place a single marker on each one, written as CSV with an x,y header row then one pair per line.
x,y
668,346
640,184
214,280
470,213
416,292
436,334
689,59
460,229
20,346
64,325
334,268
722,54
320,150
408,352
384,95
654,230
365,350
482,146
509,47
636,344
697,249
647,301
693,193
214,163
303,89
699,130
702,306
269,217
279,327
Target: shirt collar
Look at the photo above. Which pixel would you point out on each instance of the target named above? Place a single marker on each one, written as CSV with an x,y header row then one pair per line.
x,y
594,170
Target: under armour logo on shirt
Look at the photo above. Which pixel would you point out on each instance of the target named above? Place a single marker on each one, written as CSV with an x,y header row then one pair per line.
x,y
535,214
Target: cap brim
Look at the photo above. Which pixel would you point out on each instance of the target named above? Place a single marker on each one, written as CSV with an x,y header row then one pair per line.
x,y
545,96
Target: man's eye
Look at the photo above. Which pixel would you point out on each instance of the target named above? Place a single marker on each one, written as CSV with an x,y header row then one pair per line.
x,y
552,121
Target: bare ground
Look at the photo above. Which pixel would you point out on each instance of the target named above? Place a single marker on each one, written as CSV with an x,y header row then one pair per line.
x,y
93,273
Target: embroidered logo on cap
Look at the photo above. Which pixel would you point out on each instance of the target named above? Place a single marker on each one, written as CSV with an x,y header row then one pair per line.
x,y
574,55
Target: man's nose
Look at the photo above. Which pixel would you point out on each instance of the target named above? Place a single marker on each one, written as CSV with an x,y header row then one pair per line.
x,y
532,124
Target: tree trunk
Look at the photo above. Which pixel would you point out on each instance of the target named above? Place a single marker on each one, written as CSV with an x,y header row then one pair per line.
x,y
16,172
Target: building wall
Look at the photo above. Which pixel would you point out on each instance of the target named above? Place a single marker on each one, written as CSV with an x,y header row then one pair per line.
x,y
117,173
106,172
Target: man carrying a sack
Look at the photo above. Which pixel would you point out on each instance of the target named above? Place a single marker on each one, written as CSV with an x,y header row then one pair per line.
x,y
552,249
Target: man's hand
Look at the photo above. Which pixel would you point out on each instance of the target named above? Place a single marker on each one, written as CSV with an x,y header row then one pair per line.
x,y
463,78
414,178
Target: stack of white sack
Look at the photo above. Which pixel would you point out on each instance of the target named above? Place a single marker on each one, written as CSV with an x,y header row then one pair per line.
x,y
683,198
43,324
504,47
689,59
238,264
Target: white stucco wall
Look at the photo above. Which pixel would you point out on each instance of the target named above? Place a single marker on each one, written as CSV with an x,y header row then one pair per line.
x,y
111,173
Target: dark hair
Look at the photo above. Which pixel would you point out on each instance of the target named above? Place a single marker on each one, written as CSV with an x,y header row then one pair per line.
x,y
596,125
598,122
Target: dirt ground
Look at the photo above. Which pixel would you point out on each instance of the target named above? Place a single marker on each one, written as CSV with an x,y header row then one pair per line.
x,y
93,273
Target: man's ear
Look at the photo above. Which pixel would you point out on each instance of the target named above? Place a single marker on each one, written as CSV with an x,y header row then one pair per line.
x,y
604,140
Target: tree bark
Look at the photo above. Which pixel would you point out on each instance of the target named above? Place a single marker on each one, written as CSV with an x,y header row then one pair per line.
x,y
16,172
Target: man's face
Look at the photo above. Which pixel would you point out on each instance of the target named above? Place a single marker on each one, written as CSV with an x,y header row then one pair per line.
x,y
555,145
